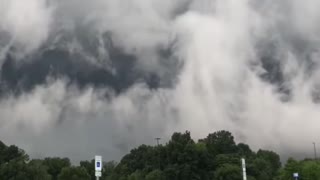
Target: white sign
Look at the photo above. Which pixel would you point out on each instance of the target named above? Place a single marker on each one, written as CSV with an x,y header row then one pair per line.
x,y
98,173
295,175
98,163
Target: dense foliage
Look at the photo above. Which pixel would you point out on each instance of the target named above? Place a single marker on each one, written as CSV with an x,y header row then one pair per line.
x,y
216,157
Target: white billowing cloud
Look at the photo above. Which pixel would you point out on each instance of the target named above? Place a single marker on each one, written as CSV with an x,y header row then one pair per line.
x,y
139,27
217,88
57,120
28,22
307,24
20,112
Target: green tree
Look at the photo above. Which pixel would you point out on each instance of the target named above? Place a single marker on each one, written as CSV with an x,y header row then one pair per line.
x,y
228,172
14,170
220,142
222,159
155,175
170,172
55,165
181,158
272,158
89,166
215,157
310,170
140,158
14,166
20,170
261,169
137,175
38,171
244,150
11,153
186,158
291,166
109,169
74,173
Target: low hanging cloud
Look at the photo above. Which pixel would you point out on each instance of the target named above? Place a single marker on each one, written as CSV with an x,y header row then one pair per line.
x,y
248,66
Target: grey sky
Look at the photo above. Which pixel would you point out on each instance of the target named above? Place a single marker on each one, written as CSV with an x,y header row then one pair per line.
x,y
220,44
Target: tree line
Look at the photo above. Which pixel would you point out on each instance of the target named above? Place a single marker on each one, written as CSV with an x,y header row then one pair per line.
x,y
216,157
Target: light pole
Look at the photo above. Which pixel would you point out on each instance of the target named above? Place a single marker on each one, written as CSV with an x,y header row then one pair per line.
x,y
244,173
315,150
158,139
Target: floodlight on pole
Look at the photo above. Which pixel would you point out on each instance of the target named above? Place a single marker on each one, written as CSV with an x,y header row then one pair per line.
x,y
157,139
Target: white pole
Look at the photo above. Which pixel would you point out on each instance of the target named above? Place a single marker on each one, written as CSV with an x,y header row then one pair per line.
x,y
98,166
244,169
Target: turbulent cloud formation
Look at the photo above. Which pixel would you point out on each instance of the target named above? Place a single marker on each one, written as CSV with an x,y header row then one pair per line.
x,y
103,76
28,23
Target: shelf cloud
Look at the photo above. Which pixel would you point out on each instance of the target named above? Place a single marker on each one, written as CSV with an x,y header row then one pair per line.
x,y
80,78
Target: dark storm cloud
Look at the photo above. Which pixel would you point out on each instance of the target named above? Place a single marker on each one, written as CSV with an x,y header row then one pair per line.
x,y
101,76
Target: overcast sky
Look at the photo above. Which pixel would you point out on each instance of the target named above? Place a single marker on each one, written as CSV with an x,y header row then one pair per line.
x,y
247,66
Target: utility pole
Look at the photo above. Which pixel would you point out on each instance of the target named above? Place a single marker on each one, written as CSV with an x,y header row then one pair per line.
x,y
315,151
158,139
